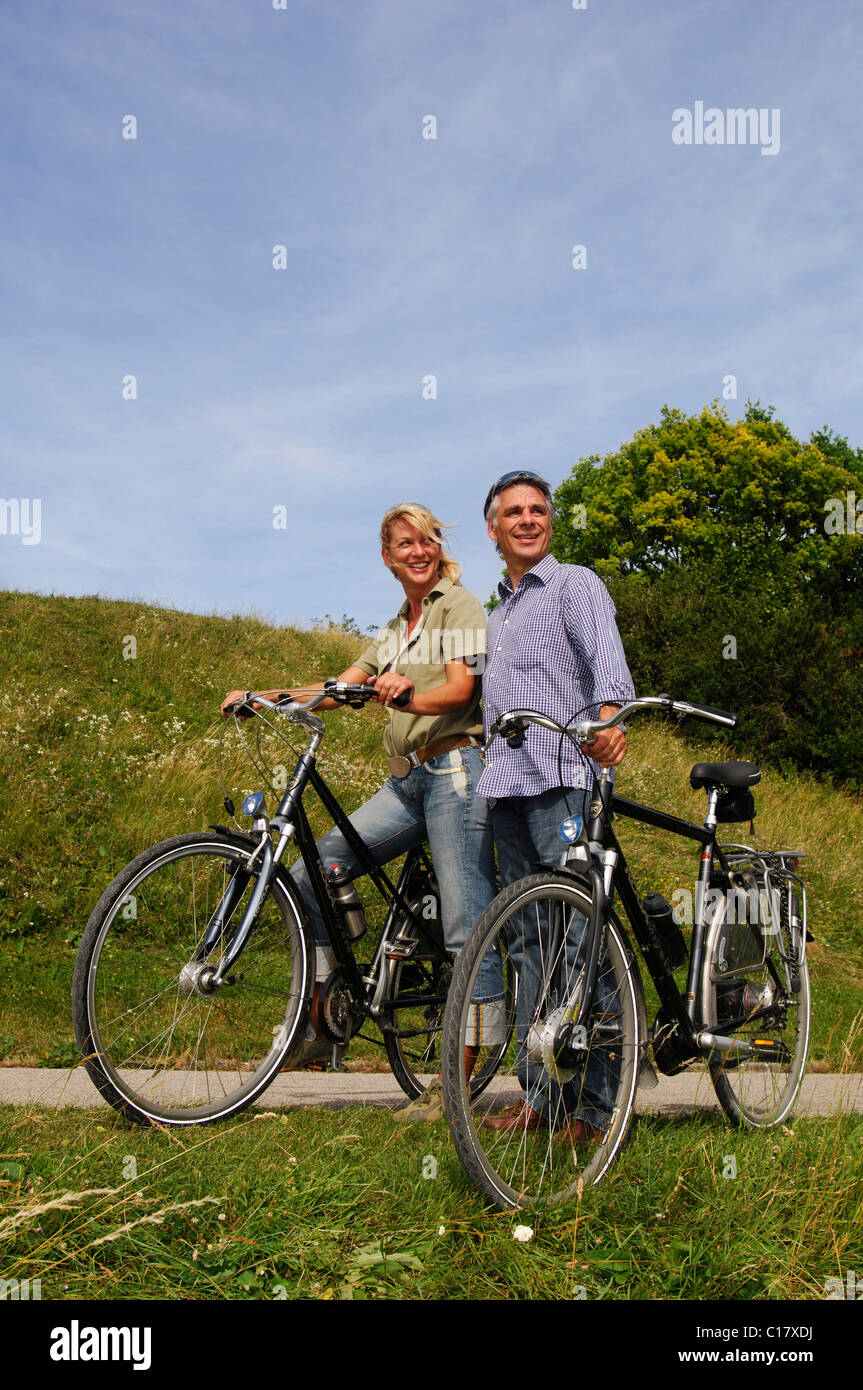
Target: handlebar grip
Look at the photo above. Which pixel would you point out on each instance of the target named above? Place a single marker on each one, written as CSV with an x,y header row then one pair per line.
x,y
716,716
403,699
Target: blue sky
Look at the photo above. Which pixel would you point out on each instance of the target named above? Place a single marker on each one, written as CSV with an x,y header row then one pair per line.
x,y
405,257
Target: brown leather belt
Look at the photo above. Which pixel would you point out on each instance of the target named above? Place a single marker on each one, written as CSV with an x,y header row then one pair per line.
x,y
403,763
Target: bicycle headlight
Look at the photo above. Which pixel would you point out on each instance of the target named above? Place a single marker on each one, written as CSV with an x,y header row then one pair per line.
x,y
254,805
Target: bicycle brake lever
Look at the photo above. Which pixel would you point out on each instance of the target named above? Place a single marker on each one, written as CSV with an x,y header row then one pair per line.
x,y
513,731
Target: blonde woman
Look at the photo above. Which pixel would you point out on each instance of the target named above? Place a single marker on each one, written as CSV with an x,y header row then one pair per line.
x,y
432,650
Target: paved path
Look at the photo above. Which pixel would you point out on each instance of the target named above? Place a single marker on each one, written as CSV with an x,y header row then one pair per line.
x,y
821,1095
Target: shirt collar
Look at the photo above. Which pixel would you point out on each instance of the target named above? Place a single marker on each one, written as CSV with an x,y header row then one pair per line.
x,y
440,588
541,572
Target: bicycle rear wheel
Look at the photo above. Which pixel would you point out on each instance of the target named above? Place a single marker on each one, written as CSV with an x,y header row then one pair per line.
x,y
755,988
156,1044
542,921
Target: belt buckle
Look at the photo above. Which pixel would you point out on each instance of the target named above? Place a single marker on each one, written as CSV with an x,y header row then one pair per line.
x,y
400,766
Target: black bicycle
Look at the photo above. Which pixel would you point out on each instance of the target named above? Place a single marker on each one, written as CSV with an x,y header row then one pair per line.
x,y
581,1043
193,985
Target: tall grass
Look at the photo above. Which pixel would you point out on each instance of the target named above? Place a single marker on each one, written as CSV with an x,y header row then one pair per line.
x,y
314,1204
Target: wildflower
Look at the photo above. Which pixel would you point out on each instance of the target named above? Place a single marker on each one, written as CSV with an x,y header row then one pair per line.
x,y
523,1233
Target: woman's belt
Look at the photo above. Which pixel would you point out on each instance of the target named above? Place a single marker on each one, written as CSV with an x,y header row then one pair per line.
x,y
403,763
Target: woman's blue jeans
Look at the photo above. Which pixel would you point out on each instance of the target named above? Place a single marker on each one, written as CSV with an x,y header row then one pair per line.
x,y
436,802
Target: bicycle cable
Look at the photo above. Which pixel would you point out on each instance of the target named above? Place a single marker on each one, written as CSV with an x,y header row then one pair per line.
x,y
260,767
593,786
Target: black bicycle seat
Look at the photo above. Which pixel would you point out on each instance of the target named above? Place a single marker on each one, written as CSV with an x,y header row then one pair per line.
x,y
724,775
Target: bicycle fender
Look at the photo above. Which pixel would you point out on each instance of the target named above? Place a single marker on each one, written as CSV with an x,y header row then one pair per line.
x,y
234,833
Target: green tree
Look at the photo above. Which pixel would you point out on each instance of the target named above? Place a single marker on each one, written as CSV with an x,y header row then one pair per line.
x,y
734,581
701,489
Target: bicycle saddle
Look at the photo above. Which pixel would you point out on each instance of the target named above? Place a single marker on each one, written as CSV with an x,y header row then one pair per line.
x,y
724,775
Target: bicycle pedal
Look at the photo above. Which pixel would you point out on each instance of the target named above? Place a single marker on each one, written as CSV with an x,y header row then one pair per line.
x,y
401,950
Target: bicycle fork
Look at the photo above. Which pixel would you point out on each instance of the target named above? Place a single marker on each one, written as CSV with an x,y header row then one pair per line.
x,y
571,1038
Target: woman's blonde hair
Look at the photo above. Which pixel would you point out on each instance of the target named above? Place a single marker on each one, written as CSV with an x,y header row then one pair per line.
x,y
414,514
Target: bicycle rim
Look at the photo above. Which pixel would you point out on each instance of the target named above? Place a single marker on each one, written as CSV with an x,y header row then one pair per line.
x,y
542,921
414,1032
760,1092
413,1021
155,1050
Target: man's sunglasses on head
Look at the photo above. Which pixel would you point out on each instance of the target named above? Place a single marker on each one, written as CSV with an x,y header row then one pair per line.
x,y
519,475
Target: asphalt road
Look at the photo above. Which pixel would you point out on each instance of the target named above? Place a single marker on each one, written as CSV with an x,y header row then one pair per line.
x,y
688,1092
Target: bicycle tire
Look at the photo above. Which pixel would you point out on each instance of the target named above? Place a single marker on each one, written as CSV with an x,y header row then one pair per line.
x,y
757,1093
543,1166
156,1052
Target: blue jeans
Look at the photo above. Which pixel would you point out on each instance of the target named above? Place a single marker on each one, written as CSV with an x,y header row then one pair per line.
x,y
436,802
526,836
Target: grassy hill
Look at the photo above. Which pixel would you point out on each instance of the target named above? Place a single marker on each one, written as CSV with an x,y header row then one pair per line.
x,y
109,730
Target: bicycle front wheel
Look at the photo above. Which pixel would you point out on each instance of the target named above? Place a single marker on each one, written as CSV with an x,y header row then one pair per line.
x,y
538,1153
157,1040
755,988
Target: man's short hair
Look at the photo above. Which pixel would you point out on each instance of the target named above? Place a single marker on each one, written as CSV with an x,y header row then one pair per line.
x,y
512,480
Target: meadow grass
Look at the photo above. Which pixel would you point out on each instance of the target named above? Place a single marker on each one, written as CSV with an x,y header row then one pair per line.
x,y
323,1204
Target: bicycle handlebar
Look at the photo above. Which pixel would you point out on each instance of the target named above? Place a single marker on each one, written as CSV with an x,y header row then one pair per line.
x,y
512,724
343,692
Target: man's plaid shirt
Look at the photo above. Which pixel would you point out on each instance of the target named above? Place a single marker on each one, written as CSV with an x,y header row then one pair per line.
x,y
553,646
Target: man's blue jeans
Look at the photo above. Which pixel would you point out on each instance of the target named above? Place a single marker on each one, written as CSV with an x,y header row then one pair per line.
x,y
526,835
436,802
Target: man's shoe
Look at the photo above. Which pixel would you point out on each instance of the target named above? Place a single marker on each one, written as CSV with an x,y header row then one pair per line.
x,y
519,1118
426,1108
580,1132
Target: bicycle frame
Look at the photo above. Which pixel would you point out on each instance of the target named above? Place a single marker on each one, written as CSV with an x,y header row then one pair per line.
x,y
681,1009
608,870
291,822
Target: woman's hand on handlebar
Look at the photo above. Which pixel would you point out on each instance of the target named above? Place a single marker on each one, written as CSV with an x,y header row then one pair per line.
x,y
232,698
236,696
392,689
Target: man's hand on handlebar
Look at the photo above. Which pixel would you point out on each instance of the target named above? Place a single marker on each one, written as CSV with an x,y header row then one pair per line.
x,y
608,747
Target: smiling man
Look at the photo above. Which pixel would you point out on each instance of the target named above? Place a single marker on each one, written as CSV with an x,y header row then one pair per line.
x,y
553,646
